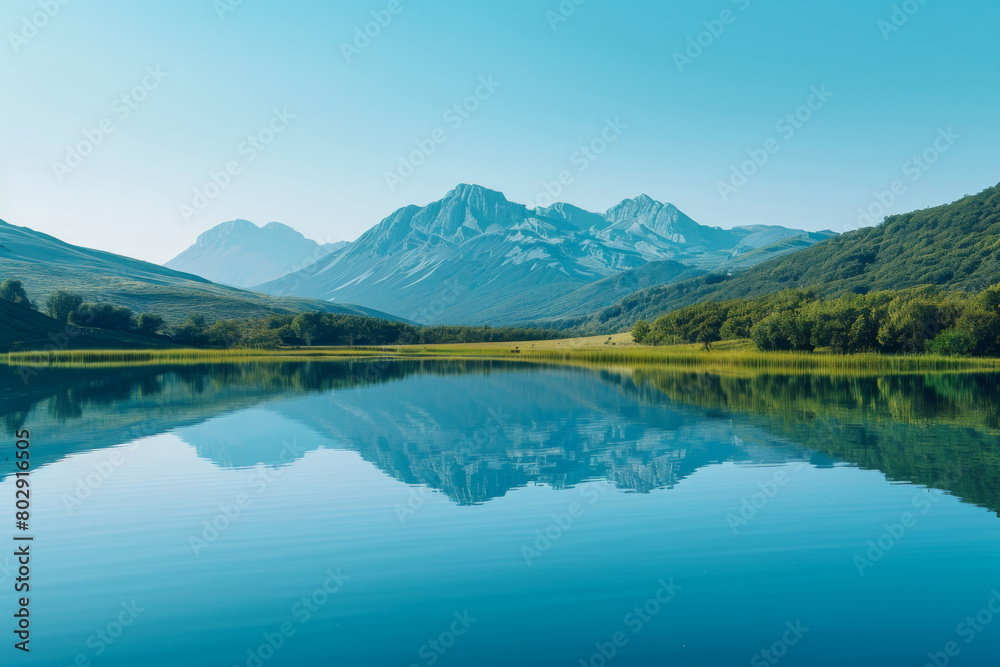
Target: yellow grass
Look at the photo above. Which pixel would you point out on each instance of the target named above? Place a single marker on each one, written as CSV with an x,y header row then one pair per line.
x,y
730,357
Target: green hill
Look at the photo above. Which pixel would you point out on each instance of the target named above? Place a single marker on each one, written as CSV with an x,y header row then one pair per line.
x,y
956,246
45,264
24,329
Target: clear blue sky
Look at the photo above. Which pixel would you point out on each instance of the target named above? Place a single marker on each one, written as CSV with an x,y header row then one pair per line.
x,y
325,172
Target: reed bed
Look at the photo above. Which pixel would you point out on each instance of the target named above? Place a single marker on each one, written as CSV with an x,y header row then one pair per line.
x,y
770,361
111,358
727,361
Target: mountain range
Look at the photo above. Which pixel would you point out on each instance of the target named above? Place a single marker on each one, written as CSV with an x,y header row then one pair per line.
x,y
474,257
956,246
45,264
241,254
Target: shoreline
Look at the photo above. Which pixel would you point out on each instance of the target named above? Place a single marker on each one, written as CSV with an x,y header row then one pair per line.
x,y
727,358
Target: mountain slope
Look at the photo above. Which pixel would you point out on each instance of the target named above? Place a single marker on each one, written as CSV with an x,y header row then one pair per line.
x,y
241,254
955,245
476,258
45,264
582,301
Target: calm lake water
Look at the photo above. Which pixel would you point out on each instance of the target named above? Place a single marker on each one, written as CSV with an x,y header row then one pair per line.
x,y
463,513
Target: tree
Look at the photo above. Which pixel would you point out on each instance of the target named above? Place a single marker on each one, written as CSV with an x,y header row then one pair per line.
x,y
736,328
831,323
307,326
989,299
259,336
225,333
782,332
984,328
13,292
910,325
104,316
60,304
954,343
864,334
640,331
191,332
150,324
769,334
707,336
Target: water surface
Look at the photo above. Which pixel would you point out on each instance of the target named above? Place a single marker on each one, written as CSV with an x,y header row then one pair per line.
x,y
463,513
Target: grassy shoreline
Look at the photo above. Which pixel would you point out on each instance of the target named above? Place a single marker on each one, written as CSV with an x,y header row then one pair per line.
x,y
731,357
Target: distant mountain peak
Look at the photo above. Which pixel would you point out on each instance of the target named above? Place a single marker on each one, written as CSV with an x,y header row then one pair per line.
x,y
471,189
477,197
230,227
630,208
278,227
240,231
241,254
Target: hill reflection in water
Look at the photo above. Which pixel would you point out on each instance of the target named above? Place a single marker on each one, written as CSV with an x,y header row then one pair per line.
x,y
475,430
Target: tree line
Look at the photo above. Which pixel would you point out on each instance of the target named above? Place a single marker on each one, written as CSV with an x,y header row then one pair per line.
x,y
917,320
304,329
337,330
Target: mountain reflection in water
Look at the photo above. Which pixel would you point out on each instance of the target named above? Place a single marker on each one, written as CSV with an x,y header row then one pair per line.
x,y
475,430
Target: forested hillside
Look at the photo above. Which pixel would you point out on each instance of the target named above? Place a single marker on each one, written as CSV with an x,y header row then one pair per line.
x,y
915,320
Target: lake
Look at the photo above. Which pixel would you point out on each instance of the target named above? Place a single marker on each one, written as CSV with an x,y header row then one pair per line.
x,y
489,513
